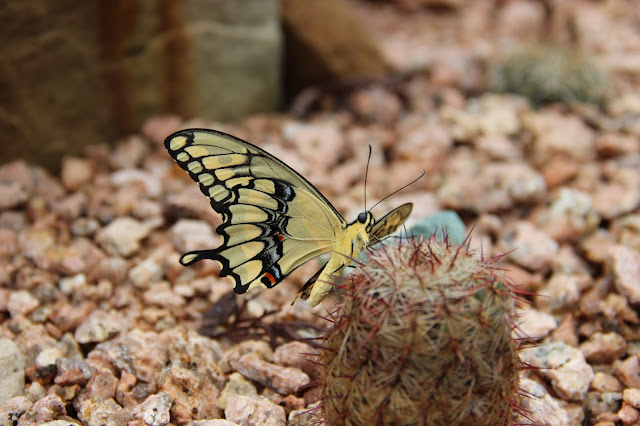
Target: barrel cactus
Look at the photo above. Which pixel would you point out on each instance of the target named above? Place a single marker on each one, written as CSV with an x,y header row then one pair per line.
x,y
421,335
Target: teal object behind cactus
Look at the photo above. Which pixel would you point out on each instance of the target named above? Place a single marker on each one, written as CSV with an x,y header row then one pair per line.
x,y
422,335
445,224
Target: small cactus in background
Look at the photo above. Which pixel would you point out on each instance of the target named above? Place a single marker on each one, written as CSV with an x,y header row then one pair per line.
x,y
422,335
547,73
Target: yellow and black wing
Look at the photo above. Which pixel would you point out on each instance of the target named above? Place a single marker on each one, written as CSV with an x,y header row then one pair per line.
x,y
390,222
274,220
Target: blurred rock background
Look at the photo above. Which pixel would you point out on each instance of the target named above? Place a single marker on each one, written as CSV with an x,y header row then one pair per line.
x,y
75,73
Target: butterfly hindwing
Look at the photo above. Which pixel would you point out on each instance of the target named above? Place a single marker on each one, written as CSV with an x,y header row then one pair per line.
x,y
273,219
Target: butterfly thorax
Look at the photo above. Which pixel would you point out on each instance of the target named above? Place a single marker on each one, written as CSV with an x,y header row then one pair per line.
x,y
350,241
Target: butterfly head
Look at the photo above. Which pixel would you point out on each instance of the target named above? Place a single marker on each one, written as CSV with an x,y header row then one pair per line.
x,y
366,219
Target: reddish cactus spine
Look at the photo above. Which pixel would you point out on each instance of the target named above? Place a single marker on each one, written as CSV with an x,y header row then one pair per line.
x,y
422,335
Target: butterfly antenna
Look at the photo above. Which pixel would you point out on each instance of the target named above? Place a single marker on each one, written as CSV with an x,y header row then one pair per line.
x,y
398,190
366,174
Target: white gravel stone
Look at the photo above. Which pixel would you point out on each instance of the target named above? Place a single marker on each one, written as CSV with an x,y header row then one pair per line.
x,y
123,236
212,422
73,284
147,271
48,356
189,235
534,325
564,366
533,248
246,410
98,327
541,408
154,411
12,365
21,303
632,397
237,385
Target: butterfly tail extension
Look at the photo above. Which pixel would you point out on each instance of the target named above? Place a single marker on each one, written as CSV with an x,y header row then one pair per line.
x,y
192,257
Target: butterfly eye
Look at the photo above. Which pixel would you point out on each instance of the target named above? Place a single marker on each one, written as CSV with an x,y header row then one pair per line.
x,y
362,217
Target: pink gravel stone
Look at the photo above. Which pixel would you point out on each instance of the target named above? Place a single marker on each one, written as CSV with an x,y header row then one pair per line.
x,y
12,194
628,371
192,393
99,326
49,408
236,385
603,382
102,385
12,366
610,144
602,348
96,411
626,266
376,104
533,248
258,347
561,292
14,409
284,380
212,422
296,354
129,153
8,242
558,134
628,415
566,331
75,172
158,128
72,371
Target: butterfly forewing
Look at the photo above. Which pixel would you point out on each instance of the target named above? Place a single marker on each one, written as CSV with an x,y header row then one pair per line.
x,y
390,222
273,219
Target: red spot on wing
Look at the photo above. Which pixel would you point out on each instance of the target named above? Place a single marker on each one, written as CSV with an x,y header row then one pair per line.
x,y
270,277
280,237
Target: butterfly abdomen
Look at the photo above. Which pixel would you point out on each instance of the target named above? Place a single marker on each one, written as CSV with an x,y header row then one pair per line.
x,y
348,245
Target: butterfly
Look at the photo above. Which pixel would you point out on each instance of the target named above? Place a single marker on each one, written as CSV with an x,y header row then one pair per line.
x,y
273,219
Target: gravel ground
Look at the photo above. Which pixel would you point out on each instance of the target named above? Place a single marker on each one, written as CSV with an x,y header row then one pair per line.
x,y
100,324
